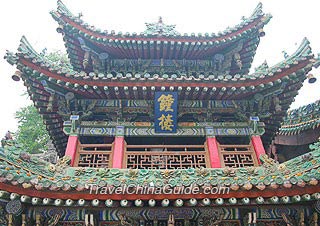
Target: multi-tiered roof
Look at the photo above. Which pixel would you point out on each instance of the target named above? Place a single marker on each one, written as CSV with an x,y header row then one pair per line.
x,y
210,73
203,67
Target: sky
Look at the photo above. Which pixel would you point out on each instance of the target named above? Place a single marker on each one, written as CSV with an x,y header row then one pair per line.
x,y
291,22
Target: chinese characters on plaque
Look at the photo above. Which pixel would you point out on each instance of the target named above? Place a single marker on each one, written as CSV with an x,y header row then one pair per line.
x,y
166,107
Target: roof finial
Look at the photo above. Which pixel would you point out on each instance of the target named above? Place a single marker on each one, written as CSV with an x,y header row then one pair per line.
x,y
159,28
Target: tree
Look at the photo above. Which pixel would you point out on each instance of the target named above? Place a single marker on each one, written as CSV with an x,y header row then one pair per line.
x,y
56,58
31,134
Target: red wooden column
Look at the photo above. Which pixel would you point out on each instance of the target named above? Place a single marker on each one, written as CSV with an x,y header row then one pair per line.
x,y
213,152
258,146
118,148
71,150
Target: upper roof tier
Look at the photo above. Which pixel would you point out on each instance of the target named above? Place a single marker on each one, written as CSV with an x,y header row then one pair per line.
x,y
88,46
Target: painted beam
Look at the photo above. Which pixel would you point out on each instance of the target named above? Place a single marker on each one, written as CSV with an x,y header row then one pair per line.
x,y
258,146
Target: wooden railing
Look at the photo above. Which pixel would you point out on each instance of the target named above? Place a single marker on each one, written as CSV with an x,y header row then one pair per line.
x,y
94,155
237,156
165,156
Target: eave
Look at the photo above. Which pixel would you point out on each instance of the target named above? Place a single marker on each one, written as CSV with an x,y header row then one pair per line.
x,y
301,119
283,80
292,69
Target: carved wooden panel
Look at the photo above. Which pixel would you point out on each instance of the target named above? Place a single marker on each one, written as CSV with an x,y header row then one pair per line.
x,y
93,159
94,155
237,156
166,157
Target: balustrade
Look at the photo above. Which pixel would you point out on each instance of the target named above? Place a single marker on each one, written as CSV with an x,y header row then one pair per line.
x,y
165,156
237,156
94,155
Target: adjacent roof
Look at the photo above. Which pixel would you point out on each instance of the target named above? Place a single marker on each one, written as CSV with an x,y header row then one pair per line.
x,y
160,41
293,181
301,119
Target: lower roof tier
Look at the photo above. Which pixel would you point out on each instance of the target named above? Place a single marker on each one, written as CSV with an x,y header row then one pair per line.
x,y
117,83
23,176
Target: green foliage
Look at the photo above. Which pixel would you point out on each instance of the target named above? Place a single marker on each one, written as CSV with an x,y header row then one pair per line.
x,y
32,134
57,58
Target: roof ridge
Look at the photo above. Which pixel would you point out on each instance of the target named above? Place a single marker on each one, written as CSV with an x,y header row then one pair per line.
x,y
62,8
39,176
258,10
304,50
25,46
303,106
